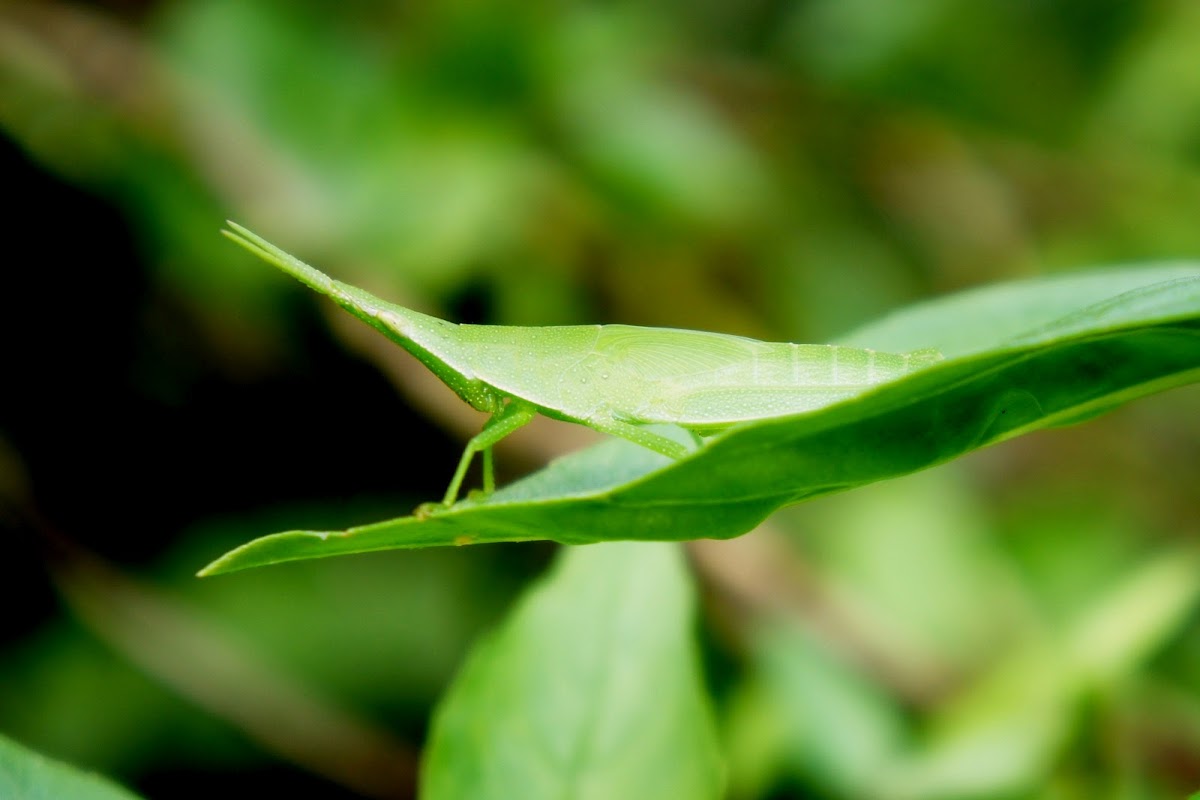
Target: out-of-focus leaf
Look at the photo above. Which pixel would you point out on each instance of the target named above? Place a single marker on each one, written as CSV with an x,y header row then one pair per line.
x,y
338,628
77,698
640,137
1003,734
428,189
26,775
845,733
850,39
997,739
590,690
1019,357
1134,618
956,55
926,529
756,737
1155,101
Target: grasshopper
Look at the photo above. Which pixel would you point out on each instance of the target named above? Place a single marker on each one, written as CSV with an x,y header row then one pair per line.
x,y
613,378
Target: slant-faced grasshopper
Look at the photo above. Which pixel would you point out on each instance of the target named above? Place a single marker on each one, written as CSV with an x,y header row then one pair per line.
x,y
614,378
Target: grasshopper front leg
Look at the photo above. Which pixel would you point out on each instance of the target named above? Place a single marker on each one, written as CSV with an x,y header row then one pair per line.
x,y
514,415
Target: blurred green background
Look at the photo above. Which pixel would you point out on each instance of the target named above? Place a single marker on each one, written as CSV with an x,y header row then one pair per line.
x,y
1021,623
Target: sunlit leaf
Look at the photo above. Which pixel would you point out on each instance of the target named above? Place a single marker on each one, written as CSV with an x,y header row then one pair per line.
x,y
591,690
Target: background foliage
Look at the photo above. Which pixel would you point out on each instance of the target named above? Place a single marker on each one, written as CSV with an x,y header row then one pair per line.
x,y
1020,623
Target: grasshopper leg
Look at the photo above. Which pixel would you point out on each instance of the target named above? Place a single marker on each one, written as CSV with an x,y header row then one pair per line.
x,y
639,435
489,472
514,415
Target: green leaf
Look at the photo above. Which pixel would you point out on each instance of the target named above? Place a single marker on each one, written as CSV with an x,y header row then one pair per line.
x,y
26,775
999,737
844,733
1144,608
1020,357
591,689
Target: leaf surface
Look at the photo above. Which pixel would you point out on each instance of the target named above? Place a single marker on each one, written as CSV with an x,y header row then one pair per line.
x,y
1019,357
26,775
590,690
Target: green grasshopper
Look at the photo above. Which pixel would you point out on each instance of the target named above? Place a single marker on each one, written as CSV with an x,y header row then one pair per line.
x,y
613,378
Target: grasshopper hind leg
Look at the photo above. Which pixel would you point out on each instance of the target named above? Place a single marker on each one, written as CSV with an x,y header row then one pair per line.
x,y
641,436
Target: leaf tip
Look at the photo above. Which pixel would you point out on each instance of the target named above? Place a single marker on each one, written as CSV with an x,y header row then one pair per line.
x,y
215,567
